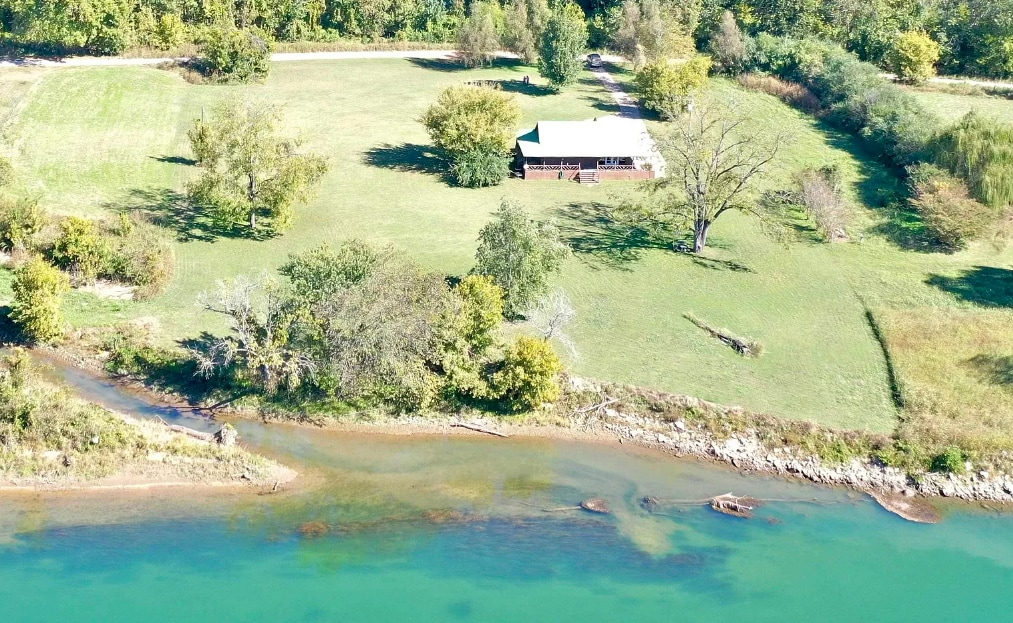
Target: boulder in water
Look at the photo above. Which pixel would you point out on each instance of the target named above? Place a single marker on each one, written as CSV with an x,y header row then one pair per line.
x,y
595,505
649,503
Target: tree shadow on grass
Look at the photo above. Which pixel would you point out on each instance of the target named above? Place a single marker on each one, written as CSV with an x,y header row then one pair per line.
x,y
408,157
189,162
454,64
983,285
994,369
593,232
518,86
174,210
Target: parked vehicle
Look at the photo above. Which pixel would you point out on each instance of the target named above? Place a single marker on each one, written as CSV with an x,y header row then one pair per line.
x,y
594,60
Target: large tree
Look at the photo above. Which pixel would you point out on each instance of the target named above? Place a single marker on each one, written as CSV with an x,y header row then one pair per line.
x,y
475,128
650,30
667,88
519,254
523,26
478,39
712,158
248,170
561,45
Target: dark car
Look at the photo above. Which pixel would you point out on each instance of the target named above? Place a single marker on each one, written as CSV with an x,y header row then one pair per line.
x,y
594,60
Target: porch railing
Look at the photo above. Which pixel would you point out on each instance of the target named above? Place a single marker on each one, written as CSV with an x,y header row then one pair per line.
x,y
552,167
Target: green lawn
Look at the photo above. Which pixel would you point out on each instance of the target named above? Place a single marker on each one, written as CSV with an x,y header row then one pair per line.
x,y
98,139
951,106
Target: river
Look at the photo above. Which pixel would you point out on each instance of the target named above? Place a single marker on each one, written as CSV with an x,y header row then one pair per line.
x,y
440,529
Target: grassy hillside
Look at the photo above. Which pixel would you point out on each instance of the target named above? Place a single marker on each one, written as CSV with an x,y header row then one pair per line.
x,y
102,139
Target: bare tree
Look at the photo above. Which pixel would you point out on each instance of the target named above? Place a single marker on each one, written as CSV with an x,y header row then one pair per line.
x,y
550,317
259,339
712,159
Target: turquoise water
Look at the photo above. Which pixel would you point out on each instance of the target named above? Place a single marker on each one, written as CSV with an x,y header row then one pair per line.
x,y
438,529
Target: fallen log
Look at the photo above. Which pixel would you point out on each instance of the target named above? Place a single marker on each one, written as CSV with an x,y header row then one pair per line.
x,y
189,432
479,429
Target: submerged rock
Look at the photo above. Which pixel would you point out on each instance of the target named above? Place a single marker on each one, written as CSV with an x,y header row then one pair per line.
x,y
312,529
649,503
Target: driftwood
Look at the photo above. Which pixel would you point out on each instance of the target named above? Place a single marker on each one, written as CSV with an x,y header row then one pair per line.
x,y
479,429
734,505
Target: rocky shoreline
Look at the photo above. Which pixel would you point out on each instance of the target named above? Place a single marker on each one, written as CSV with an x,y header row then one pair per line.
x,y
744,451
747,453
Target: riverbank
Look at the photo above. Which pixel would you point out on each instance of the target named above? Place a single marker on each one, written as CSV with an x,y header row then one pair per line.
x,y
679,425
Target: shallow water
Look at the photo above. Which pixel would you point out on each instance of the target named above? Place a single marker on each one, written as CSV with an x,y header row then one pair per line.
x,y
453,529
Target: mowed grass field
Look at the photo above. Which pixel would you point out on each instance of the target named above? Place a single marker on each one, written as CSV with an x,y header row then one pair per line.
x,y
97,140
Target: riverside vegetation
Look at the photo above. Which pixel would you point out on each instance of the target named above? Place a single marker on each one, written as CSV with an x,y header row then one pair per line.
x,y
864,338
54,440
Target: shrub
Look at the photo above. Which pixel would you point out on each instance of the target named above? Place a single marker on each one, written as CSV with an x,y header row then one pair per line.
x,y
821,198
140,254
480,167
914,56
21,221
528,376
234,55
170,31
946,208
38,297
950,461
667,88
857,98
979,150
795,95
481,311
6,172
79,248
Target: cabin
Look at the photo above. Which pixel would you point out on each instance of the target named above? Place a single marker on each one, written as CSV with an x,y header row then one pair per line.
x,y
591,151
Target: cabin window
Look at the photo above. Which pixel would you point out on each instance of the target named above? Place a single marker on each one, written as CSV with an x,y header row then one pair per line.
x,y
613,161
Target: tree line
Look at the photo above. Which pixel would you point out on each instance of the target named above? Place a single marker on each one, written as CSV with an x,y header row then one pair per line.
x,y
975,36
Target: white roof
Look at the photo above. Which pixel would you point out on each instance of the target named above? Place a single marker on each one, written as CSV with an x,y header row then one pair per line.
x,y
595,138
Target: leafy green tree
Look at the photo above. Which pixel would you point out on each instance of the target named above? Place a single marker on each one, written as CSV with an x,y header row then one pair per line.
x,y
712,160
322,271
482,311
80,248
519,254
561,45
170,31
230,54
21,221
914,57
248,170
523,25
667,88
528,375
467,118
38,300
478,39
